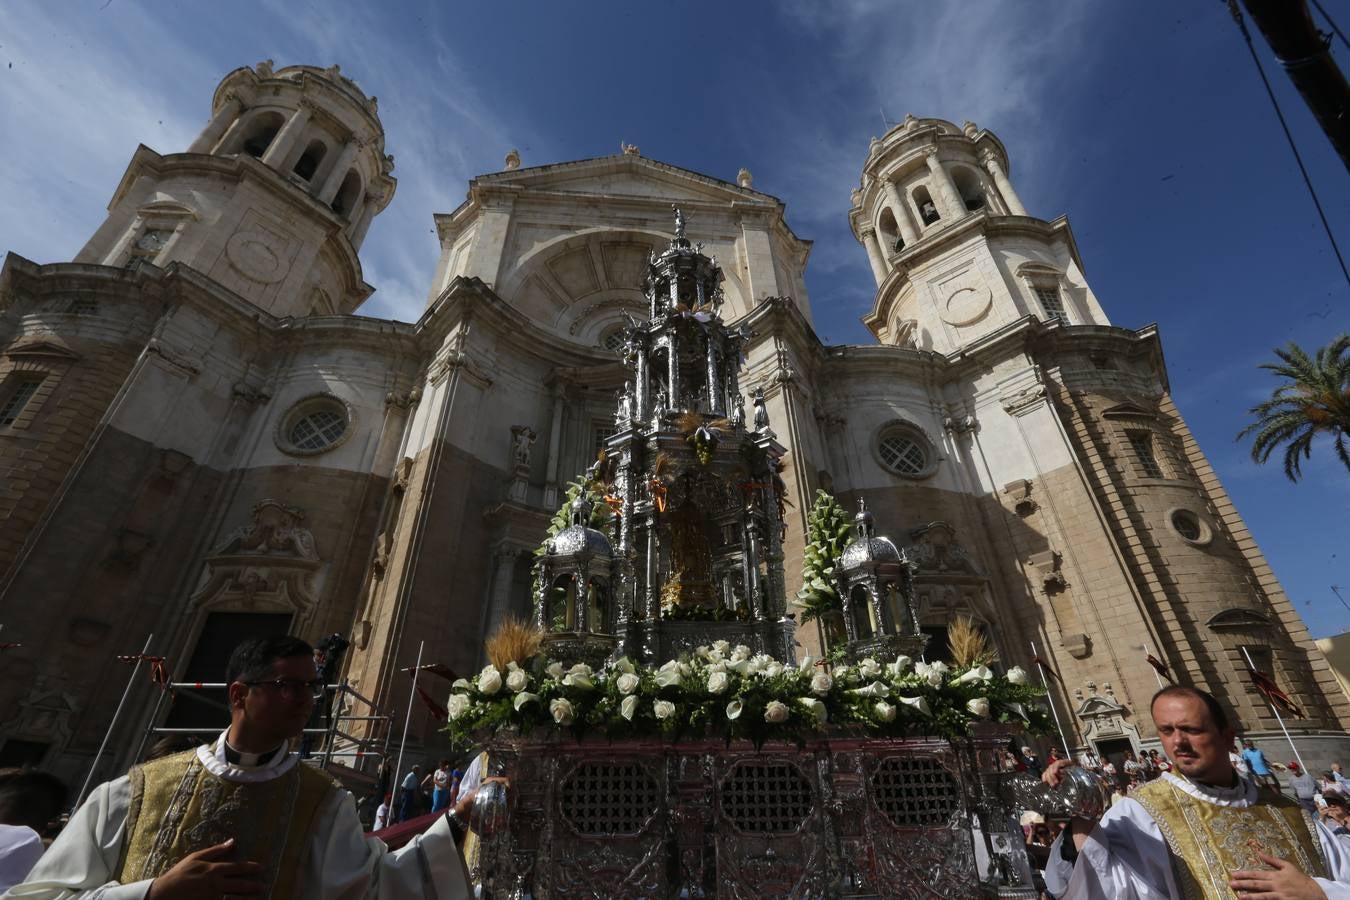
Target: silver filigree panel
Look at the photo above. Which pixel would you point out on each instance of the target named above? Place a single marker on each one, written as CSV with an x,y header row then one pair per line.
x,y
766,798
915,792
609,799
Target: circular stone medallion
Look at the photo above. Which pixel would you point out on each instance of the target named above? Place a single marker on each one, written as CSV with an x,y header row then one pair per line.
x,y
250,253
967,305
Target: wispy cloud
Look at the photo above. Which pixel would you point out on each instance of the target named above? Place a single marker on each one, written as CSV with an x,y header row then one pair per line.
x,y
82,107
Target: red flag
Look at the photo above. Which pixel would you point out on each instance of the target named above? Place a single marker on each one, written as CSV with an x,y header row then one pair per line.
x,y
1160,667
10,645
159,674
1271,691
1045,667
438,712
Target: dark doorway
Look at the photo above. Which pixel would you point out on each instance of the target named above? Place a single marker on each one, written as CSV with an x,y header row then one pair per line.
x,y
222,632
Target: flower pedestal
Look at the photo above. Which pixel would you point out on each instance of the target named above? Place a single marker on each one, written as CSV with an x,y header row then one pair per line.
x,y
845,817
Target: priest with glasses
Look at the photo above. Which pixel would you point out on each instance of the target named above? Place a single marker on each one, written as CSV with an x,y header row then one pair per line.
x,y
243,817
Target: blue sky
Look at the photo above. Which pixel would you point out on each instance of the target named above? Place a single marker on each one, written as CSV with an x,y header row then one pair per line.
x,y
1143,121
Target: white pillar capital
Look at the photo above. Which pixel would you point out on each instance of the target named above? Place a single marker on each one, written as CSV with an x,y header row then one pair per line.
x,y
995,169
874,255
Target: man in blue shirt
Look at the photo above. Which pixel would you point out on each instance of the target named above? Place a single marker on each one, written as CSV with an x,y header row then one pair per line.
x,y
407,806
1256,761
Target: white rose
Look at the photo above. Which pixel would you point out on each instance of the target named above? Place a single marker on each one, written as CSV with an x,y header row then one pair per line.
x,y
919,703
844,674
554,671
663,709
517,679
722,648
869,668
898,667
885,712
490,681
718,682
456,706
628,707
734,709
934,675
775,712
561,710
740,667
524,697
941,667
669,666
461,684
773,669
816,708
978,707
821,682
581,669
740,652
1016,675
627,683
624,664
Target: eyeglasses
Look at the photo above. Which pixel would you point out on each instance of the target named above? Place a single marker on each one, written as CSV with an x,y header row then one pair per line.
x,y
292,687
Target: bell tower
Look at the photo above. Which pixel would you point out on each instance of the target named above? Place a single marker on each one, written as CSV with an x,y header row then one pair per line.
x,y
955,254
273,198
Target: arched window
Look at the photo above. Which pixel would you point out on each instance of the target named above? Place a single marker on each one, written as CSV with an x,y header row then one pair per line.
x,y
923,202
348,194
308,163
969,187
261,131
888,233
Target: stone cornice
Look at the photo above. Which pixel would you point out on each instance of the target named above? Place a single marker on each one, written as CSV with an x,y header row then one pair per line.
x,y
931,245
237,168
180,284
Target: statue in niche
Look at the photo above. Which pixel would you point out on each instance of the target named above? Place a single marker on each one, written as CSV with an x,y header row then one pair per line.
x,y
761,411
522,444
625,413
738,412
659,406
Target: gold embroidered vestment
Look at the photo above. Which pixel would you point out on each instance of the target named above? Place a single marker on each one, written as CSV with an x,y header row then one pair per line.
x,y
179,807
1208,841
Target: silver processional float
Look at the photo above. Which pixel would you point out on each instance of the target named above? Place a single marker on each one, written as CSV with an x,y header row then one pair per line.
x,y
660,736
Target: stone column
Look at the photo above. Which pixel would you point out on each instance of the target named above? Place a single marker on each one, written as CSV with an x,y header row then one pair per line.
x,y
503,576
874,257
1005,188
367,214
900,209
339,171
949,200
215,129
288,136
554,443
641,390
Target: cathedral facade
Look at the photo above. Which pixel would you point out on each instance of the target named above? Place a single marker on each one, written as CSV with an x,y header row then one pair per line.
x,y
201,440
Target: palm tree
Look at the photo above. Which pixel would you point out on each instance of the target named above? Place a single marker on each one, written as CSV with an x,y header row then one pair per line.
x,y
1314,400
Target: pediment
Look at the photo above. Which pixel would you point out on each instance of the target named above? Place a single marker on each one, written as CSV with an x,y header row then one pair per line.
x,y
42,350
1128,410
1238,618
1098,706
626,176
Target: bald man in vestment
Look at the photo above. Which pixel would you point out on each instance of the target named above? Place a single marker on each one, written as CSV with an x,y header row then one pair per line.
x,y
1199,831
